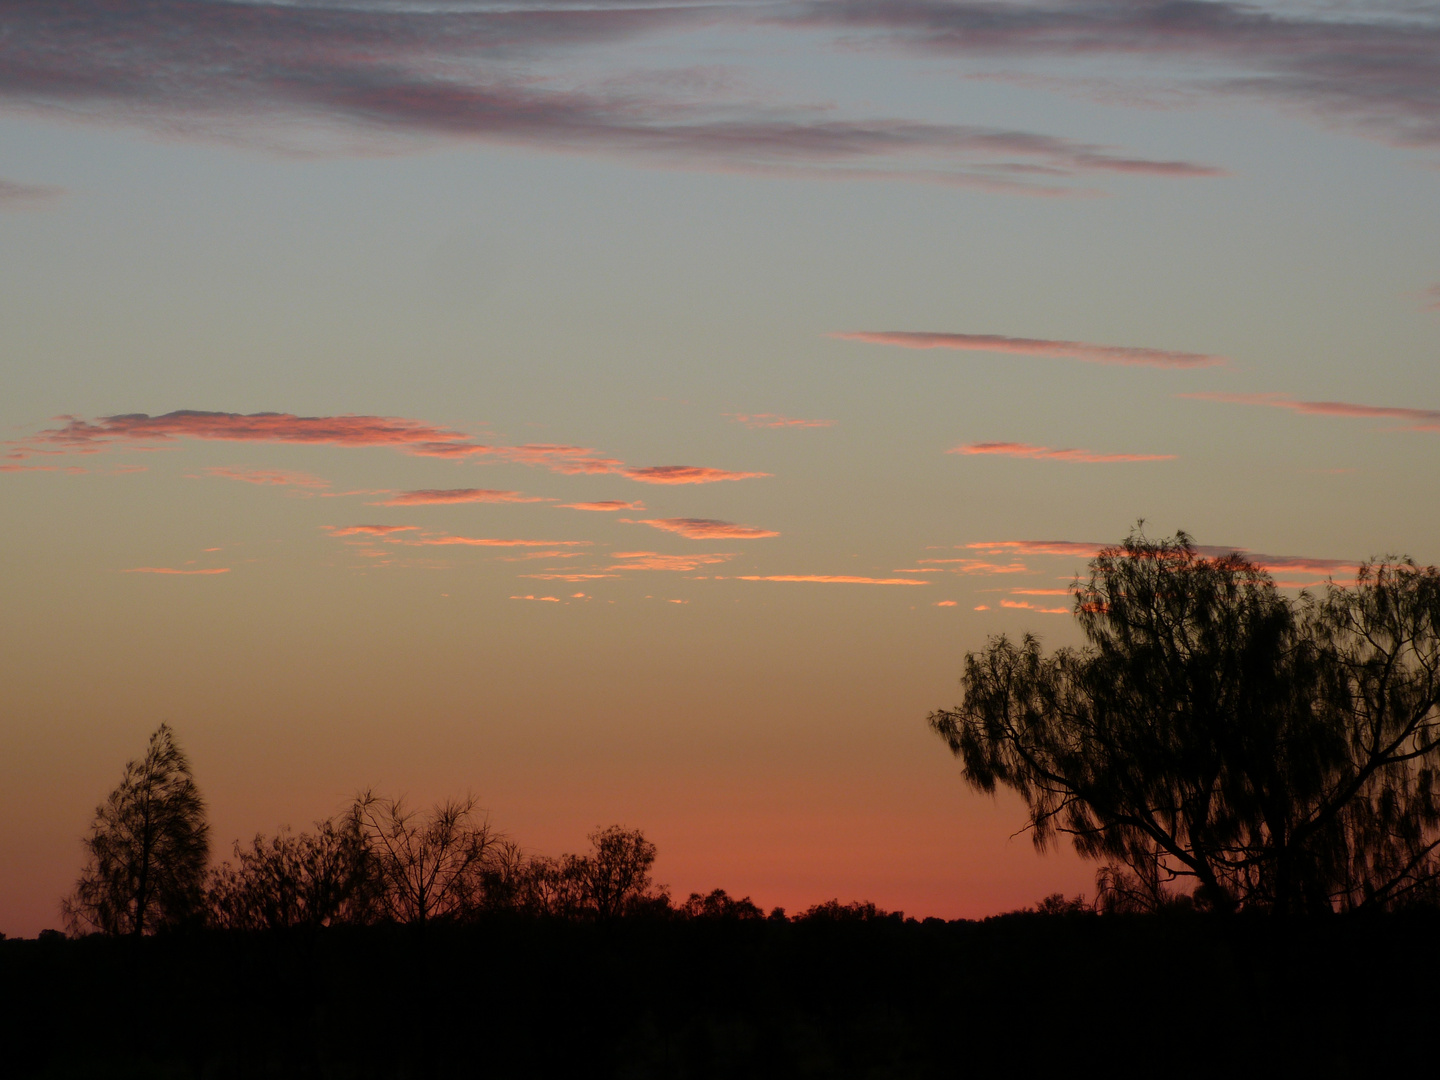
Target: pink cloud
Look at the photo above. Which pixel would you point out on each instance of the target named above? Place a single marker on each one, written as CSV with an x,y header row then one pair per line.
x,y
775,420
1432,301
982,607
444,496
944,603
832,579
1040,592
369,530
1037,547
1026,450
685,474
266,476
1071,350
477,541
650,560
1415,419
171,570
551,599
606,506
240,427
971,566
707,528
1031,607
568,577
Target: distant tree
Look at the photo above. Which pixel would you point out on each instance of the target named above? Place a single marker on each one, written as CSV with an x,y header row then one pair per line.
x,y
147,849
1278,755
313,879
431,866
855,911
718,904
613,880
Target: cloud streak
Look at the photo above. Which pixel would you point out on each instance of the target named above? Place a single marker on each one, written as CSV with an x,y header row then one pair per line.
x,y
831,579
604,507
172,570
1065,350
502,74
685,474
706,528
274,477
1075,549
651,560
18,196
775,420
1374,70
1413,419
448,496
1026,450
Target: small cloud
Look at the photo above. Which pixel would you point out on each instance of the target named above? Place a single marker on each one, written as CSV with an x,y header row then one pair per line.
x,y
1070,350
650,560
982,607
605,506
172,570
18,196
369,530
707,528
264,476
1415,419
1031,607
944,603
482,541
833,579
446,496
685,474
775,420
1026,450
1432,298
1040,592
568,577
550,599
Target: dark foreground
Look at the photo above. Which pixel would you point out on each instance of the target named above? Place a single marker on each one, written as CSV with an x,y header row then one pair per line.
x,y
1158,995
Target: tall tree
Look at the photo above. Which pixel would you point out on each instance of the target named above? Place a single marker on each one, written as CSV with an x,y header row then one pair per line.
x,y
1276,754
147,849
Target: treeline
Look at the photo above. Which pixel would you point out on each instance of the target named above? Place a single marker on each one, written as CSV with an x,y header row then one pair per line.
x,y
381,862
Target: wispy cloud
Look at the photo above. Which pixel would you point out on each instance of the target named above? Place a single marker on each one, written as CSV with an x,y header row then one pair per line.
x,y
445,496
606,506
832,579
17,196
173,570
550,599
1040,592
651,560
1413,419
1026,450
1031,607
76,435
685,474
503,74
706,528
576,577
1069,350
277,477
480,541
1432,298
1372,69
369,530
775,420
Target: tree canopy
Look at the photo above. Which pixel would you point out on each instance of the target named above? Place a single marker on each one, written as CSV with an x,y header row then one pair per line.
x,y
147,849
1275,754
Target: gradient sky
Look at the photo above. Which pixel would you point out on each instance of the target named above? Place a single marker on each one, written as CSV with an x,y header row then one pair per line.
x,y
633,412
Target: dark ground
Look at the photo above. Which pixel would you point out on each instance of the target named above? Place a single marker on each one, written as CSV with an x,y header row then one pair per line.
x,y
1143,995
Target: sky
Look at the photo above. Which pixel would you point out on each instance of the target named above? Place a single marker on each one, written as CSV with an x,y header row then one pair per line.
x,y
634,412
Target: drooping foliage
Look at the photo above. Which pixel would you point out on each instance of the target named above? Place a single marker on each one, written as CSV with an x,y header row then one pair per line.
x,y
1276,754
147,849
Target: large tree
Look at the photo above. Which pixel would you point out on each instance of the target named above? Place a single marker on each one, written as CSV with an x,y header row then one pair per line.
x,y
147,849
1275,754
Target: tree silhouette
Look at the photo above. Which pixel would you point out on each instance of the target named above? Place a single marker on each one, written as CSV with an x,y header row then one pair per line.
x,y
428,867
1278,755
313,879
147,849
